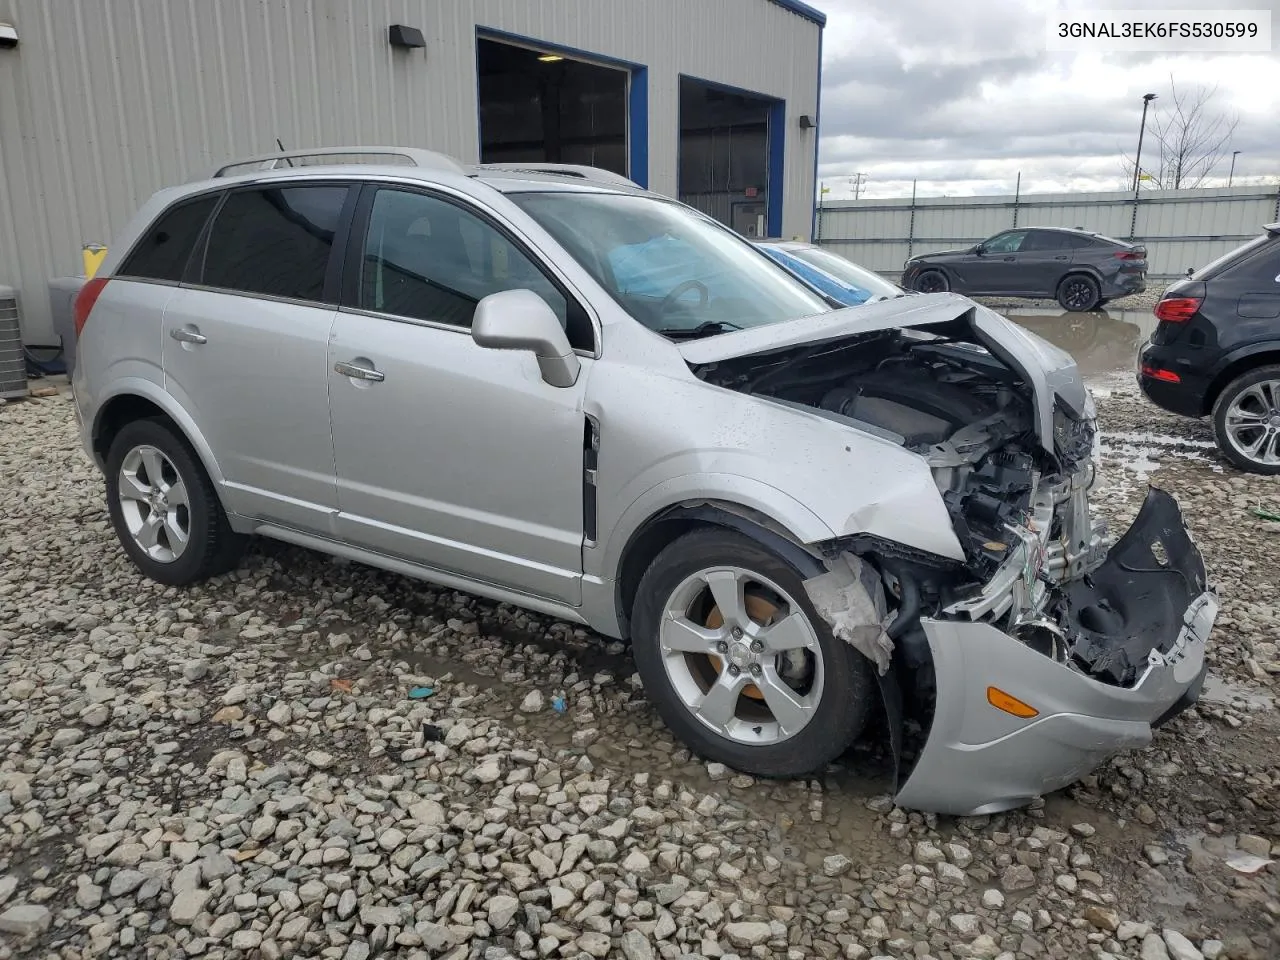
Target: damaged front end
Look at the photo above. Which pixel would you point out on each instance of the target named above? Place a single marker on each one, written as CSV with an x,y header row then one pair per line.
x,y
1042,652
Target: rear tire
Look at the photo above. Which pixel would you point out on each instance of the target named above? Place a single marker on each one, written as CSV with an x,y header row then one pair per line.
x,y
1246,420
164,507
1079,293
711,685
932,281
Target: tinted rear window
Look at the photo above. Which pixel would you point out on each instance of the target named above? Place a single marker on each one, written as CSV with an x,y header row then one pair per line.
x,y
163,252
1241,253
275,241
1052,240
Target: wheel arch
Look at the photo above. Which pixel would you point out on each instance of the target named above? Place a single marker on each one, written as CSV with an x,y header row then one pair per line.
x,y
1080,270
672,522
138,400
1236,364
941,268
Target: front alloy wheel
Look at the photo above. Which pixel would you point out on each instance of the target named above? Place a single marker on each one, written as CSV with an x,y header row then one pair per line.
x,y
741,656
738,663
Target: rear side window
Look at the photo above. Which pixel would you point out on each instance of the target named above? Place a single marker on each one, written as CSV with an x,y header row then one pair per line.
x,y
275,242
163,251
1049,240
1237,256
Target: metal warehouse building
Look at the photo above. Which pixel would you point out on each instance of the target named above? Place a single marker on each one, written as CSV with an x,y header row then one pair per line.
x,y
104,101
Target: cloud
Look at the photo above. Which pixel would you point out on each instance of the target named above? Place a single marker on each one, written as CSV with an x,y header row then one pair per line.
x,y
964,95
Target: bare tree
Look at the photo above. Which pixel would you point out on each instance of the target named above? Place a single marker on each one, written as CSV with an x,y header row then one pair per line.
x,y
1187,139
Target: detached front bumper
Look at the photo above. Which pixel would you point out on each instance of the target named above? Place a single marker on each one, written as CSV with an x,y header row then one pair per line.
x,y
1148,606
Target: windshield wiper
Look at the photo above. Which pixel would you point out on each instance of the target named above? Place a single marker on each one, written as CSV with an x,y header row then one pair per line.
x,y
707,329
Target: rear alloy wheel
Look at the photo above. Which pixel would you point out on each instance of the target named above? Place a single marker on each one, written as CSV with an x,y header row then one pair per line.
x,y
1079,293
738,663
1246,419
932,281
164,508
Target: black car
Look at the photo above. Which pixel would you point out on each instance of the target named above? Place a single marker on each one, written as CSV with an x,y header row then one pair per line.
x,y
1216,351
1080,270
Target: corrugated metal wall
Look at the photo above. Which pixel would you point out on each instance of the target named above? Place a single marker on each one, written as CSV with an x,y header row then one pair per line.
x,y
105,101
1181,228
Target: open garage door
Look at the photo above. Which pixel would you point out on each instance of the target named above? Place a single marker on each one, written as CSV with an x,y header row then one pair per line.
x,y
546,105
729,168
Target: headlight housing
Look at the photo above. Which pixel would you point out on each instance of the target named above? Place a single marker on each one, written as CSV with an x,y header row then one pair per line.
x,y
1073,436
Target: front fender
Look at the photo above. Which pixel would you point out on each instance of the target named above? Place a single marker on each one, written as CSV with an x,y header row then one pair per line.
x,y
799,522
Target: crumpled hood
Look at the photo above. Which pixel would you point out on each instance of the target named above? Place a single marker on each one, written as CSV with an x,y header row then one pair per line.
x,y
1051,372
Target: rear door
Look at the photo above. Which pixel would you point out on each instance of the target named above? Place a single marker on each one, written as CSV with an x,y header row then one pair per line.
x,y
245,348
1041,262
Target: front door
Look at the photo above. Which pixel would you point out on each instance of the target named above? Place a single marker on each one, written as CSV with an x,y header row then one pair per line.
x,y
449,454
245,351
993,270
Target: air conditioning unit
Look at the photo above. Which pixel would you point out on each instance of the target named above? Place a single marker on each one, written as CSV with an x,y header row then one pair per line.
x,y
13,363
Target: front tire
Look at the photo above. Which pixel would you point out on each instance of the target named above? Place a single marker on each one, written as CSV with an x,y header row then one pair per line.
x,y
932,281
1079,293
164,508
1246,420
738,663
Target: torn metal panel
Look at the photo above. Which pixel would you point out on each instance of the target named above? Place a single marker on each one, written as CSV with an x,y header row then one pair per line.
x,y
850,597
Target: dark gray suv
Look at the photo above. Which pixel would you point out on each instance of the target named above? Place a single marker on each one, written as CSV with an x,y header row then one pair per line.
x,y
1080,270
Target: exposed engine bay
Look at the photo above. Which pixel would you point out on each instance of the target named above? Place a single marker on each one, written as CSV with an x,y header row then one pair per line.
x,y
1018,501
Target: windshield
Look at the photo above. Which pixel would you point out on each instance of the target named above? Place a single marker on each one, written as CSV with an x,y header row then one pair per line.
x,y
674,270
863,280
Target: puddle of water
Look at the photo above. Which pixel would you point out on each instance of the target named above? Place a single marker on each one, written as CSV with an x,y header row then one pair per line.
x,y
1102,342
1224,693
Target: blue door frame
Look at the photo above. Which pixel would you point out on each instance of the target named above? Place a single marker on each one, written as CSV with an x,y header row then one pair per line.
x,y
777,147
637,92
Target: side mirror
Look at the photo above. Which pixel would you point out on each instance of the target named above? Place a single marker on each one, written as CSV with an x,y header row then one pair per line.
x,y
521,320
977,249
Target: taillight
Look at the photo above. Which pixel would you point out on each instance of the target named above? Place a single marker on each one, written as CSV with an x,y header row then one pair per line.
x,y
1131,255
85,300
1159,373
1178,309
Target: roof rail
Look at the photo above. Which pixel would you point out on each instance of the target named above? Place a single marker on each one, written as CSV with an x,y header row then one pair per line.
x,y
413,156
577,171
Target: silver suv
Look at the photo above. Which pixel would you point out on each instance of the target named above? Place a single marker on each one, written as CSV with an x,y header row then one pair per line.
x,y
549,387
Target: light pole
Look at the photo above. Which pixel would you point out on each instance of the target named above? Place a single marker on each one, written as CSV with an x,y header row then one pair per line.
x,y
1137,161
1232,175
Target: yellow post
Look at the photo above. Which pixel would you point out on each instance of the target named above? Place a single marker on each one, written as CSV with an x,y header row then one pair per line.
x,y
93,255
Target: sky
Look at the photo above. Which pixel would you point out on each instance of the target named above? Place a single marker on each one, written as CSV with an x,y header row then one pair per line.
x,y
962,95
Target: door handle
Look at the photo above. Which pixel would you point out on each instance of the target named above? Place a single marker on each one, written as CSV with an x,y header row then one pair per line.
x,y
1011,258
1062,258
357,372
184,335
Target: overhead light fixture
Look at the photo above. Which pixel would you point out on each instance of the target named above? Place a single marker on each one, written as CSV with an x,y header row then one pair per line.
x,y
8,35
550,57
806,122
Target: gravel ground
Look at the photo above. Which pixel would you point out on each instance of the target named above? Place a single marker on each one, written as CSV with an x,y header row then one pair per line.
x,y
312,758
1139,301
